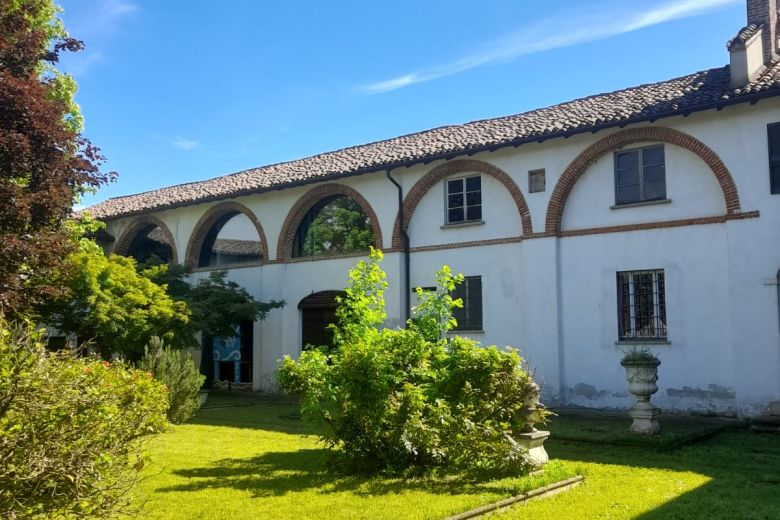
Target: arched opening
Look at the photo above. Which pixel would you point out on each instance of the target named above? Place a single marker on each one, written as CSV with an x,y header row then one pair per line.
x,y
335,225
318,311
231,240
150,243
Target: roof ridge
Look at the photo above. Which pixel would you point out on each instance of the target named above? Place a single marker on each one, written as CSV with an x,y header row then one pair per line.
x,y
647,101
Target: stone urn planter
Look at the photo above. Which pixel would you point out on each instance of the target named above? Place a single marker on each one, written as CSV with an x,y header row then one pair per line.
x,y
531,440
642,373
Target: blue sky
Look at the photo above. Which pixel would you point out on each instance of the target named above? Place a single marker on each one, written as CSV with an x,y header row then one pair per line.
x,y
176,91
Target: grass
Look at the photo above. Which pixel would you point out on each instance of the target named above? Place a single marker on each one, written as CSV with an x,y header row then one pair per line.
x,y
612,428
260,461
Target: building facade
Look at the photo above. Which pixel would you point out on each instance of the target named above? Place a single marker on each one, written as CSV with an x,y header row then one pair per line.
x,y
647,216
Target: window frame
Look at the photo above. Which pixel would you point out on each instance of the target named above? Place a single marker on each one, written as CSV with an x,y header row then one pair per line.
x,y
659,315
463,291
463,179
537,172
774,177
641,174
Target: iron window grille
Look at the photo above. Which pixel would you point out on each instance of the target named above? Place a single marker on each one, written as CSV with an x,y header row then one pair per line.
x,y
641,305
469,317
640,175
464,200
773,138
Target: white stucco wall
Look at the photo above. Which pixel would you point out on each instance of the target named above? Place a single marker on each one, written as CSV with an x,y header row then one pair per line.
x,y
555,298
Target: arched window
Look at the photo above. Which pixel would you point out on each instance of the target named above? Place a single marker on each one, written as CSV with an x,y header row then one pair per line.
x,y
150,242
333,226
231,240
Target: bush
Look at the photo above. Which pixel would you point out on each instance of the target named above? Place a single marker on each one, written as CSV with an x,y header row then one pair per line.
x,y
71,430
413,399
178,372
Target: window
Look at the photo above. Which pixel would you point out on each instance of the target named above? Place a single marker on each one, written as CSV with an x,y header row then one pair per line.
x,y
773,132
469,317
464,200
641,305
536,181
640,175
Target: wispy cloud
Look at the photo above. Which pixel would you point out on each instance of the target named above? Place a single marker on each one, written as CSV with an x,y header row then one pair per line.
x,y
184,144
579,27
95,25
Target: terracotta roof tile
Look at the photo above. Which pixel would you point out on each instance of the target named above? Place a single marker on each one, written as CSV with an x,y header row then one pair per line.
x,y
698,91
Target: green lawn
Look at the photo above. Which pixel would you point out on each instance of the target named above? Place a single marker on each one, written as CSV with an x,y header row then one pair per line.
x,y
260,461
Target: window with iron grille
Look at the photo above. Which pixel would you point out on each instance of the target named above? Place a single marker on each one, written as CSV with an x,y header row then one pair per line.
x,y
464,200
640,175
469,317
641,305
773,135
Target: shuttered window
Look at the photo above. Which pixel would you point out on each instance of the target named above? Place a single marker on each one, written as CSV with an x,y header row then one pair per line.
x,y
469,317
773,132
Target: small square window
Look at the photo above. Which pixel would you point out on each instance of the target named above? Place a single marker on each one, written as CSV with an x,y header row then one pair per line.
x,y
641,303
640,175
536,181
464,200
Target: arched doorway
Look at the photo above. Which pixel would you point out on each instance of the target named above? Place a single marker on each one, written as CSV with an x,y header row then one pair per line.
x,y
318,311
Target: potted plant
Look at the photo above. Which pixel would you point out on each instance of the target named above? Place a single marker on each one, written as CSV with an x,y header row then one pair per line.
x,y
642,373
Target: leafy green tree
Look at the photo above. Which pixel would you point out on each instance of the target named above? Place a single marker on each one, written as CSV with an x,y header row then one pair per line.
x,y
116,308
341,226
414,399
45,162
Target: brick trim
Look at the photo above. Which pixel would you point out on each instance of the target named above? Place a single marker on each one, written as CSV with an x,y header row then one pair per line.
x,y
579,166
306,202
122,246
207,221
430,179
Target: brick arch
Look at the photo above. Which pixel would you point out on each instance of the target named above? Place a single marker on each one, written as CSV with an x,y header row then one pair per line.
x,y
122,246
209,219
430,179
580,165
307,201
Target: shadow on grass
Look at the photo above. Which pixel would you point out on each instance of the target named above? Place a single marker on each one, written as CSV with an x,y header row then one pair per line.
x,y
279,473
744,469
277,417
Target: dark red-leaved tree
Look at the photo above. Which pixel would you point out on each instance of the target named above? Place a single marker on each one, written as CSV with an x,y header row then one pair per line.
x,y
45,162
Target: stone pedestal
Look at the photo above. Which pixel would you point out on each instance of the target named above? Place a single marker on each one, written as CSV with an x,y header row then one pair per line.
x,y
533,443
644,415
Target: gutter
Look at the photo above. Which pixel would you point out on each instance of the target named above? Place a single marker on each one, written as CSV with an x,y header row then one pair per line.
x,y
719,105
405,246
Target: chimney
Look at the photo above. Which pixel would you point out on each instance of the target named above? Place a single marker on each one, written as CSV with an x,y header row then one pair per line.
x,y
763,14
755,46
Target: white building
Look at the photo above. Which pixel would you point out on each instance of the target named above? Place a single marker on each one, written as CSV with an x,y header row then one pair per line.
x,y
649,215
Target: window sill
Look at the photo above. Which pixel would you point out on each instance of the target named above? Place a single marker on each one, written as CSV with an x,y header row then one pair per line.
x,y
463,224
465,331
638,342
639,204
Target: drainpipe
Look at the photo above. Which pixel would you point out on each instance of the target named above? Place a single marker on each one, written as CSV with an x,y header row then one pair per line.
x,y
405,246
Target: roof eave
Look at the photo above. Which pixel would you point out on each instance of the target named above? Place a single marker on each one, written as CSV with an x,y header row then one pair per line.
x,y
718,105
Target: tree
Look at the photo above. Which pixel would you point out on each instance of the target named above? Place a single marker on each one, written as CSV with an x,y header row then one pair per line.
x,y
341,226
111,304
414,399
45,162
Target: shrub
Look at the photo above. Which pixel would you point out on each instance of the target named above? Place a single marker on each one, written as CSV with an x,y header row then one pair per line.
x,y
412,399
177,370
71,430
